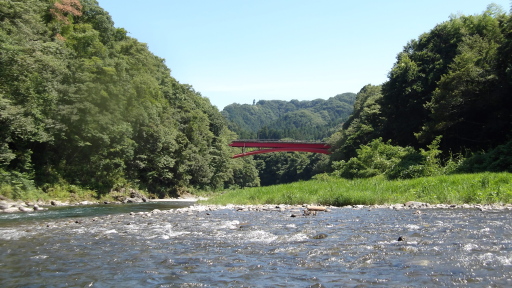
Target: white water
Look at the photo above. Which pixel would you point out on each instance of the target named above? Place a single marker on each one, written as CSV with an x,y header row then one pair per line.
x,y
225,248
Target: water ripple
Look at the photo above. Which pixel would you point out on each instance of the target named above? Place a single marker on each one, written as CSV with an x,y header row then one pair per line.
x,y
344,247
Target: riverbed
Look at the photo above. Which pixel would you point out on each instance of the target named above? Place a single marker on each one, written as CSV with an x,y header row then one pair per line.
x,y
201,246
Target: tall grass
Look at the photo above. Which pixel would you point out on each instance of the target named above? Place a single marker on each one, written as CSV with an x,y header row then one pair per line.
x,y
481,188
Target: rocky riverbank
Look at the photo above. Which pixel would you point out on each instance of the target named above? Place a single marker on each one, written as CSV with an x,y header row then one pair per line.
x,y
312,210
10,206
13,206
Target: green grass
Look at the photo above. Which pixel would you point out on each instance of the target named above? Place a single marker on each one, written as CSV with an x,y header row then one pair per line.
x,y
481,188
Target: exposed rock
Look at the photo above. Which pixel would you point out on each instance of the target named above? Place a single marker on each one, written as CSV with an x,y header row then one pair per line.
x,y
133,200
309,213
320,236
57,203
38,208
18,206
86,203
317,208
25,209
137,195
11,210
415,205
4,205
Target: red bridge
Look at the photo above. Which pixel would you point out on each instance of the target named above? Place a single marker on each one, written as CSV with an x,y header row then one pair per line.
x,y
268,146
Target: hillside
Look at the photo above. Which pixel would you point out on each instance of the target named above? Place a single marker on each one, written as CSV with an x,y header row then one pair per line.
x,y
85,106
446,102
276,119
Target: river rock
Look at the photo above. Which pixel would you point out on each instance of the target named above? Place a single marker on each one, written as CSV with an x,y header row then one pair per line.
x,y
4,205
309,213
25,209
86,203
415,204
133,200
137,195
58,203
317,208
11,210
320,236
39,208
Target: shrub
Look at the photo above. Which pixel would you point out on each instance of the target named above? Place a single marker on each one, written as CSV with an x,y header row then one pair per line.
x,y
395,162
15,185
498,159
376,158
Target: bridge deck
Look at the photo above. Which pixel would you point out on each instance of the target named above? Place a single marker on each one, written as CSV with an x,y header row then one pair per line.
x,y
268,146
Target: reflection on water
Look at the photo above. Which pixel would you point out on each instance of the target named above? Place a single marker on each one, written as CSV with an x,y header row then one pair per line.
x,y
226,248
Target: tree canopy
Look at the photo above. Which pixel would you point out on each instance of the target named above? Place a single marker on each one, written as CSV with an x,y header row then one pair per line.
x,y
301,120
82,103
451,87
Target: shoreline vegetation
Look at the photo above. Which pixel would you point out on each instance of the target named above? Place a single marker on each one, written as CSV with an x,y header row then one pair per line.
x,y
89,115
479,190
458,190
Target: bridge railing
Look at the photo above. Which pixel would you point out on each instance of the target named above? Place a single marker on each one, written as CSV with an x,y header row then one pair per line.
x,y
279,141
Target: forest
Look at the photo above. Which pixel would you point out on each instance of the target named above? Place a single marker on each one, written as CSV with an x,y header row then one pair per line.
x,y
301,120
445,107
83,106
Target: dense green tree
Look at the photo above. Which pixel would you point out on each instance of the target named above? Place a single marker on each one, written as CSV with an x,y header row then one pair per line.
x,y
81,103
363,125
245,173
471,105
302,120
278,168
382,158
414,77
452,82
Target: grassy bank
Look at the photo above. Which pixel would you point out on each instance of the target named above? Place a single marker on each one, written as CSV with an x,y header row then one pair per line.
x,y
482,188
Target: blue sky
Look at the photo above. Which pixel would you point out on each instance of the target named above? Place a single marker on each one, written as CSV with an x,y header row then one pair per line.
x,y
237,51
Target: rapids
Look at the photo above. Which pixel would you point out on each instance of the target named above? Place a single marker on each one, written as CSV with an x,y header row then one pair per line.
x,y
228,247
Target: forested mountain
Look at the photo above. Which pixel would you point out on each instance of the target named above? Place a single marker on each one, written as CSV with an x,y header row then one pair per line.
x,y
302,120
83,104
450,88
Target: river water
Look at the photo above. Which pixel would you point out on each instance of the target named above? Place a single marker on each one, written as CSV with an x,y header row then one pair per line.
x,y
196,247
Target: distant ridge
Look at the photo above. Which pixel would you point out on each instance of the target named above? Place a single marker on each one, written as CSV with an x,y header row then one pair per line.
x,y
277,119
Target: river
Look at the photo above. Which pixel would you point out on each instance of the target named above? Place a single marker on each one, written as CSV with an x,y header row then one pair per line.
x,y
231,247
